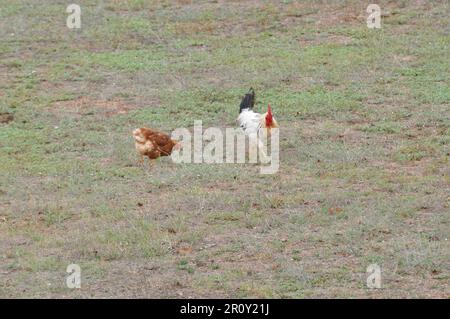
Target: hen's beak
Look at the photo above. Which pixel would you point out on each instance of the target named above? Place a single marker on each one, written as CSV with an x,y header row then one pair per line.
x,y
137,132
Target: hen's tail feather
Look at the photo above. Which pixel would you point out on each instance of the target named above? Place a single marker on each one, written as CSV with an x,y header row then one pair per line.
x,y
248,101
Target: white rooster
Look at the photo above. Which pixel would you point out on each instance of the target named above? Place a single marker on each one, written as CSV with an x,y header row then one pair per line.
x,y
251,122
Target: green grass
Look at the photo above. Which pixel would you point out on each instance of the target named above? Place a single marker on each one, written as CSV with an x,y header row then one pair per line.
x,y
364,173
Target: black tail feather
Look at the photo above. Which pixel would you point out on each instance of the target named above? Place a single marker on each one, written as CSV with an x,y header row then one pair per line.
x,y
248,101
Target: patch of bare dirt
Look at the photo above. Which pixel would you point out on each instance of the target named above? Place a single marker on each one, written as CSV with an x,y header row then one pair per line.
x,y
6,118
340,16
351,136
86,106
416,168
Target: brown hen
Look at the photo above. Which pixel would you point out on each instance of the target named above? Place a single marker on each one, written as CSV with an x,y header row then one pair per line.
x,y
152,143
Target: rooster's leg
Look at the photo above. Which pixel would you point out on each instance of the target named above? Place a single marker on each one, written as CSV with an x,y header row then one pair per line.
x,y
151,163
263,158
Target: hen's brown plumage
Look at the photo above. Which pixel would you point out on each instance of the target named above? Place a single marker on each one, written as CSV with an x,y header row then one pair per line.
x,y
152,143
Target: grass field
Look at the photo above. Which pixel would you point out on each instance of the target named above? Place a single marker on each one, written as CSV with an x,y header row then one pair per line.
x,y
364,166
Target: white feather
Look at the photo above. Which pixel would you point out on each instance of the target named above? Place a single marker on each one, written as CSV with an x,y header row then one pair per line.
x,y
249,121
